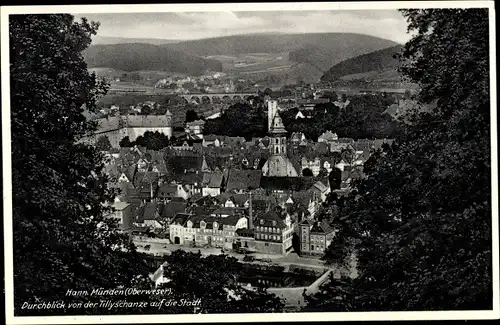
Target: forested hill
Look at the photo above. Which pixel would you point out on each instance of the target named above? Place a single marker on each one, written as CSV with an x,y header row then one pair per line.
x,y
377,61
140,56
320,50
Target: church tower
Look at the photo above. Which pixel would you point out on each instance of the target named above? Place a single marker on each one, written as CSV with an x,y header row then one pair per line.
x,y
278,164
168,127
278,136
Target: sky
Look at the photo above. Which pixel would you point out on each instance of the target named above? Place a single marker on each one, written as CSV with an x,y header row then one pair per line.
x,y
388,24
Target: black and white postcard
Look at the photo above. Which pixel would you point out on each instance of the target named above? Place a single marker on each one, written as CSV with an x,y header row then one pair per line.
x,y
250,162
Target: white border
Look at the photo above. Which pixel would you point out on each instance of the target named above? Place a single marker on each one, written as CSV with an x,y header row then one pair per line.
x,y
223,318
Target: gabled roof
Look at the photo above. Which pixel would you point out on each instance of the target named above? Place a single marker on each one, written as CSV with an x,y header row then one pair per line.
x,y
201,210
302,197
213,179
179,164
240,199
320,186
150,177
322,228
130,172
307,222
191,178
346,140
243,179
229,211
178,199
167,190
180,219
171,209
269,219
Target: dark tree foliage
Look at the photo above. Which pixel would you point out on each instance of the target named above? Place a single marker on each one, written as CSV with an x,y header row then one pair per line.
x,y
381,60
61,240
241,120
421,221
125,142
152,140
146,110
213,279
362,118
335,178
191,116
307,172
103,144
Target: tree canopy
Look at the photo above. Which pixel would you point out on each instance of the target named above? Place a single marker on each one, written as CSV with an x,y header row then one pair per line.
x,y
240,119
62,239
420,223
362,118
191,116
102,143
214,279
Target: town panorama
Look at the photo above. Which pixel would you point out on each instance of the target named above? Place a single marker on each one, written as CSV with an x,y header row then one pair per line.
x,y
260,172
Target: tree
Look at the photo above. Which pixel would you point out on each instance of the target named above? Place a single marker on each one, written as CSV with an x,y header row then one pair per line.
x,y
307,172
191,116
60,239
213,279
103,144
335,178
125,142
239,120
330,94
146,110
421,220
348,155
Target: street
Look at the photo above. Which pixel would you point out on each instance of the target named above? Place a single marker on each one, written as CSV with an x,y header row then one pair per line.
x,y
158,249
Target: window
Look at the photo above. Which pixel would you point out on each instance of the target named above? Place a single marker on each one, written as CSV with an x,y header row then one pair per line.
x,y
312,247
277,150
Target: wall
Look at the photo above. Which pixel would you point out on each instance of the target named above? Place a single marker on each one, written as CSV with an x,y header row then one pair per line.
x,y
209,191
304,238
266,247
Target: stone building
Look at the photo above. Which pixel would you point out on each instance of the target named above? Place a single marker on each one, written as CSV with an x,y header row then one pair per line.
x,y
315,237
133,126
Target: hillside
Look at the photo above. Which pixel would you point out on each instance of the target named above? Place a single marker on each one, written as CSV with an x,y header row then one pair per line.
x,y
139,56
379,65
106,40
348,43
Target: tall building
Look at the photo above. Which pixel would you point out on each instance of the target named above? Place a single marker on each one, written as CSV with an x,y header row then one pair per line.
x,y
133,126
278,164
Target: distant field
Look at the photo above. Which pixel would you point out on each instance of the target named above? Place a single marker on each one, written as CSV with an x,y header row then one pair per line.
x,y
149,78
389,75
253,62
129,85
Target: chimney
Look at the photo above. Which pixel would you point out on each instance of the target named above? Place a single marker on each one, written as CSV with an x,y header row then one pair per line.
x,y
250,213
